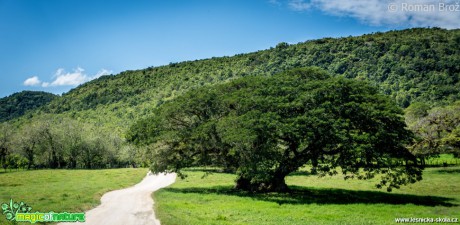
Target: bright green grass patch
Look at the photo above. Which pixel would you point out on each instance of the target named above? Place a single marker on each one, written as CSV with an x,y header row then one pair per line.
x,y
313,200
63,190
443,159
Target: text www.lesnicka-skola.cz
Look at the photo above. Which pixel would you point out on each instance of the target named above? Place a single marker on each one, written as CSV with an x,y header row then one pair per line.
x,y
426,220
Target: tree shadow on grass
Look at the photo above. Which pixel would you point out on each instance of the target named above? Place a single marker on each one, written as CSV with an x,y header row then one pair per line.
x,y
448,171
305,195
300,173
205,170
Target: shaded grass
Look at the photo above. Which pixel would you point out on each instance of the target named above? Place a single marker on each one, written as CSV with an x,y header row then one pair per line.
x,y
63,190
441,171
313,200
303,195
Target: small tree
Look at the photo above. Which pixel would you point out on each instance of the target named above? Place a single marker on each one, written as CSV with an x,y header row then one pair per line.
x,y
6,136
15,161
266,128
26,144
437,129
453,140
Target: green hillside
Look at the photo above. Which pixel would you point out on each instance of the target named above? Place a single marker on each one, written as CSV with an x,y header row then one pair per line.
x,y
17,104
409,65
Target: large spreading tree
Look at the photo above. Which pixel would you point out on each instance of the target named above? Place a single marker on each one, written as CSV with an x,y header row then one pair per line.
x,y
264,128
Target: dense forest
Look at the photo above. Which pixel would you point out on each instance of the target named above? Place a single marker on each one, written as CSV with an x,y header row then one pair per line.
x,y
409,65
420,65
415,65
18,104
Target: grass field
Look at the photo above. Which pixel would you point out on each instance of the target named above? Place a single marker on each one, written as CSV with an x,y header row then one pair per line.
x,y
442,159
63,190
327,200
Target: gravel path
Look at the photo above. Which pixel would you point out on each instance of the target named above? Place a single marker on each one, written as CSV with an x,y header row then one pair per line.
x,y
130,206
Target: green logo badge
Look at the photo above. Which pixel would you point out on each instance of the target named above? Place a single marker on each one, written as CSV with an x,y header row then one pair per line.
x,y
21,212
12,208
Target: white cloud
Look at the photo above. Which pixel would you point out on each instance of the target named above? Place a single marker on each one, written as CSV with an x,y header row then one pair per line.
x,y
299,5
274,2
63,78
102,72
32,81
434,13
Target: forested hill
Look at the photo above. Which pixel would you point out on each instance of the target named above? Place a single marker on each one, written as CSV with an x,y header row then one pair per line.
x,y
19,103
414,65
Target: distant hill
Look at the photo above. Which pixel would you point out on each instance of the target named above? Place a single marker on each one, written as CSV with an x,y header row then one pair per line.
x,y
18,104
414,65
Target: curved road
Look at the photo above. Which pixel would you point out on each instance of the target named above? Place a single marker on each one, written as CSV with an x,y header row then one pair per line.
x,y
130,206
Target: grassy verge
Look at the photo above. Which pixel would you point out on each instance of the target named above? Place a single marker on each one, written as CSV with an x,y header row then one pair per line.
x,y
327,200
443,159
64,190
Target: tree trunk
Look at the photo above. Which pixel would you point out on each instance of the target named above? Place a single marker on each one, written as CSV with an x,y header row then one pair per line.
x,y
422,161
276,184
243,184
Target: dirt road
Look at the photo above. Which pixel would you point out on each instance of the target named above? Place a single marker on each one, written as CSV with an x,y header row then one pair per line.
x,y
130,206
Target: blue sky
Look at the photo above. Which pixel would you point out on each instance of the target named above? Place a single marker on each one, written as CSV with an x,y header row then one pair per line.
x,y
54,45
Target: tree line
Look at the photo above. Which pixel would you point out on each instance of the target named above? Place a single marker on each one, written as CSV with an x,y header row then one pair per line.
x,y
18,104
59,142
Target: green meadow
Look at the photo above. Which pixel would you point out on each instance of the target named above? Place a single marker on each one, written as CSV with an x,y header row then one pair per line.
x,y
63,190
210,199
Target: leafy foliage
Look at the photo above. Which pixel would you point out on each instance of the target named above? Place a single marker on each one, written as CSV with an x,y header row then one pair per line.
x,y
18,104
53,142
414,65
266,128
6,136
437,129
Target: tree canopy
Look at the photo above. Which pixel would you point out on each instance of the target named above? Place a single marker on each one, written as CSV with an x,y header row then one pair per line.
x,y
18,104
264,128
437,129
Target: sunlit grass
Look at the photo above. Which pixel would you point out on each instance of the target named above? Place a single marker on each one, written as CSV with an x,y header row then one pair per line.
x,y
63,190
443,159
313,200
